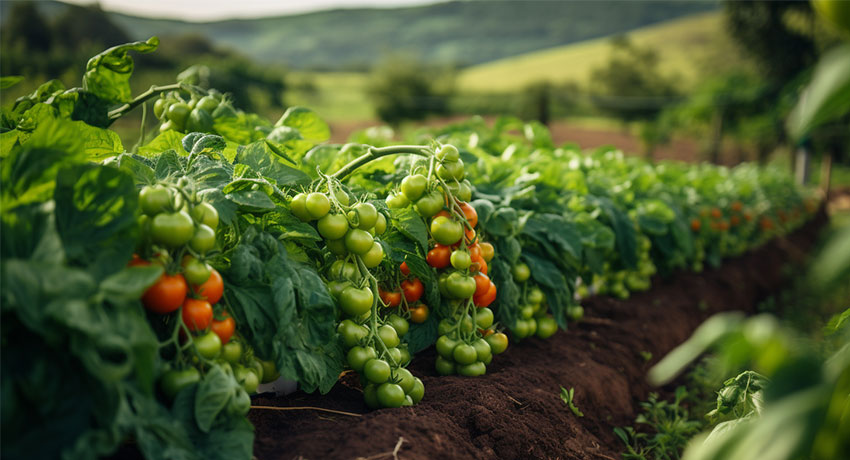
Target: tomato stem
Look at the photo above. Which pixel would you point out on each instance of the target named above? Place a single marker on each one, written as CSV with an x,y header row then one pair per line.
x,y
140,99
375,153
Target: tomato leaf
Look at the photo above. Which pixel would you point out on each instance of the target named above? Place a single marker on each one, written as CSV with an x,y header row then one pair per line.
x,y
213,394
307,122
108,74
130,283
258,157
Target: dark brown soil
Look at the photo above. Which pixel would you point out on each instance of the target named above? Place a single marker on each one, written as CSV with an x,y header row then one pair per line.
x,y
514,412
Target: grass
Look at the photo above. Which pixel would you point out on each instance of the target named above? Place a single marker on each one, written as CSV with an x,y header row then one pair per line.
x,y
687,47
335,96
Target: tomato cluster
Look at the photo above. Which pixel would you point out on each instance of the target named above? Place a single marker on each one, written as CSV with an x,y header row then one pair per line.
x,y
372,342
178,233
533,316
197,114
460,260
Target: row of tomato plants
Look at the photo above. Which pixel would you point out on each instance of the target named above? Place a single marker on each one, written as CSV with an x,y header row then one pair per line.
x,y
145,295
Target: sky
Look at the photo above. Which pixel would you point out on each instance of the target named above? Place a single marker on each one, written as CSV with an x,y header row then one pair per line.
x,y
210,10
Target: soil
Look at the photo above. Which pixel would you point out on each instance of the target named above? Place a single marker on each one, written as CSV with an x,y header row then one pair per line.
x,y
515,412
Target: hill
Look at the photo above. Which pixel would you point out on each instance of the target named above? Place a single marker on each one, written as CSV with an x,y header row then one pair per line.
x,y
459,32
690,47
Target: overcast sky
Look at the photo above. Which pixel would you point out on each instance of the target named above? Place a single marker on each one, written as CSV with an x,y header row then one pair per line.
x,y
209,10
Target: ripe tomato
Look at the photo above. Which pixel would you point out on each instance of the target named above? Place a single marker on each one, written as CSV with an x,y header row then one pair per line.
x,y
413,289
486,299
419,314
197,314
390,299
734,221
487,251
479,265
736,206
405,270
224,328
439,257
482,284
166,295
469,236
212,289
469,213
716,213
695,224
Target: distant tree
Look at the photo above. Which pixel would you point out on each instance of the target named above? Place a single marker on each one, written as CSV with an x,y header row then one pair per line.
x,y
26,26
630,86
763,29
87,26
405,89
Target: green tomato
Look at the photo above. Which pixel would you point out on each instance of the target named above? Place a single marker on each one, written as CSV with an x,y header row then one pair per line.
x,y
195,271
460,286
390,395
370,395
446,231
521,272
444,366
466,324
341,270
167,126
445,346
546,327
333,226
407,380
317,205
444,327
449,170
355,302
413,186
203,240
472,370
396,354
351,332
482,349
526,311
367,215
397,201
448,153
358,356
575,312
381,224
498,342
205,213
337,247
207,103
376,370
239,403
270,373
418,390
388,335
374,256
532,327
199,121
398,323
430,204
247,379
231,352
464,354
342,197
358,241
464,192
172,381
535,296
336,287
298,206
460,259
208,345
172,229
408,401
257,368
154,199
159,107
178,113
484,318
404,356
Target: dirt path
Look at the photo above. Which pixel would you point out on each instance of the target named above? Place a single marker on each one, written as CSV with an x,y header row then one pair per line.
x,y
514,412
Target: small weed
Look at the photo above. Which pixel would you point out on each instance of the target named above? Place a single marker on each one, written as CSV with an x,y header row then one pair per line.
x,y
647,356
567,397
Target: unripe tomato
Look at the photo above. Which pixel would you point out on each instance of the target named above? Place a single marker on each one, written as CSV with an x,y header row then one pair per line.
x,y
521,272
445,346
358,241
178,113
464,192
430,204
172,229
498,342
207,103
159,107
376,370
298,206
381,224
448,152
358,356
172,381
370,396
374,256
332,226
482,349
460,286
231,352
195,271
166,295
154,199
464,354
535,296
203,240
351,332
407,380
337,247
270,372
388,335
205,213
484,318
472,370
390,395
444,366
546,327
208,345
487,251
448,170
354,301
367,215
413,186
418,391
446,231
247,379
398,323
460,260
396,201
317,205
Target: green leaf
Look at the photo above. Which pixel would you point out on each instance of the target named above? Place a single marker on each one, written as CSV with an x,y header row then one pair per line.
x,y
307,122
10,81
108,74
258,156
196,143
228,438
411,225
130,283
251,200
168,165
213,394
96,209
827,96
139,167
169,140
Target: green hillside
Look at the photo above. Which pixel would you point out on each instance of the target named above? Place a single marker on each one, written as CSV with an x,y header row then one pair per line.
x,y
689,47
464,33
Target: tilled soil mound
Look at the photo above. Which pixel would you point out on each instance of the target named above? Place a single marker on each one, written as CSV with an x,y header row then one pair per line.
x,y
514,411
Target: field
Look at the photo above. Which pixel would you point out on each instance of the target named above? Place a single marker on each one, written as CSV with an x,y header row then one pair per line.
x,y
185,277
